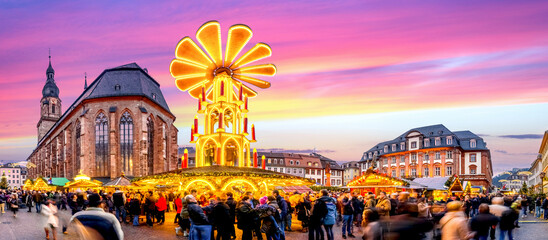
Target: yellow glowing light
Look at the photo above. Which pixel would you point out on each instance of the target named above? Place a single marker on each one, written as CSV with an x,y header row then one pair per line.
x,y
199,180
238,36
82,177
239,181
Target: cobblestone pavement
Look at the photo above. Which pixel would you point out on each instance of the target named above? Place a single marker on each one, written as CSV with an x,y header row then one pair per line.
x,y
29,226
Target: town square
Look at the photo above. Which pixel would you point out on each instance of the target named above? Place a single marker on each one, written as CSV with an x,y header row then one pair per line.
x,y
274,120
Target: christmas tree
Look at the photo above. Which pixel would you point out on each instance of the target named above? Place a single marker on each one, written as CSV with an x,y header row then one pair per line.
x,y
4,181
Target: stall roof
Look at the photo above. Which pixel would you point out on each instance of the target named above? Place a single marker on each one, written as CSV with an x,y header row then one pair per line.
x,y
59,181
299,189
436,183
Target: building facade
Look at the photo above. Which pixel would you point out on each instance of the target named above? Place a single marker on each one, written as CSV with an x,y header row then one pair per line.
x,y
351,170
543,161
535,180
433,151
335,170
120,123
15,176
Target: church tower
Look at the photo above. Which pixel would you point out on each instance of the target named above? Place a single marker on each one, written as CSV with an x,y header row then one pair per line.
x,y
50,104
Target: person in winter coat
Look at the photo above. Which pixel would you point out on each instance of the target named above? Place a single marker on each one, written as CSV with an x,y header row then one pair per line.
x,y
221,214
14,204
267,213
454,225
317,214
507,221
201,228
348,213
28,201
185,224
119,201
331,215
51,221
538,207
150,208
161,206
545,208
283,211
246,216
178,203
483,222
2,201
37,198
232,205
303,212
383,205
135,208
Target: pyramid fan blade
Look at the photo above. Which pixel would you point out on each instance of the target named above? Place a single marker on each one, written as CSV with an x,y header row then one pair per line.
x,y
234,94
257,82
264,69
185,84
248,91
181,68
189,50
258,52
209,35
197,90
210,96
238,36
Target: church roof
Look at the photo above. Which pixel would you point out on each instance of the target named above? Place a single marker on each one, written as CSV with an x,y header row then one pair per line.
x,y
126,80
50,89
132,81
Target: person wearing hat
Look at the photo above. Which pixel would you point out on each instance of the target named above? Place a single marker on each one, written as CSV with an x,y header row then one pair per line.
x,y
200,228
454,225
94,217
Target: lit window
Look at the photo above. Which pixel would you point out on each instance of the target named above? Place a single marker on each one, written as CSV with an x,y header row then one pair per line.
x,y
473,157
315,164
309,164
427,142
473,143
126,143
449,140
437,171
449,155
269,161
102,157
437,142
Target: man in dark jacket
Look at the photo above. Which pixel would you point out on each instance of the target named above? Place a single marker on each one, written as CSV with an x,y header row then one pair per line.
x,y
232,210
200,224
283,214
246,218
221,214
319,210
37,198
119,200
483,222
545,207
348,212
507,221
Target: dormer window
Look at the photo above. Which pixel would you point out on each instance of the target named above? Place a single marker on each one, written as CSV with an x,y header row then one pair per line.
x,y
427,142
393,147
370,155
437,141
385,148
449,140
117,87
298,162
402,146
473,143
291,162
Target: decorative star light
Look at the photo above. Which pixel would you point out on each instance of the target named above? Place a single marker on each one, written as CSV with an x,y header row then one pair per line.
x,y
193,69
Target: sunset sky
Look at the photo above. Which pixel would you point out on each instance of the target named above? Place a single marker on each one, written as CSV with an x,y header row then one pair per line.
x,y
350,73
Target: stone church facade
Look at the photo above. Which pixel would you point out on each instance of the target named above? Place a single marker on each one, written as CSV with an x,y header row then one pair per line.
x,y
120,123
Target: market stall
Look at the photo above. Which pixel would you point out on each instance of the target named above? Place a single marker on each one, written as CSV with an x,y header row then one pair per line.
x,y
435,187
28,185
83,182
214,180
121,182
41,185
375,182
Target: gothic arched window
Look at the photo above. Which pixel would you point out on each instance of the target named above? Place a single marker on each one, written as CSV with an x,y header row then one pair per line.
x,y
150,146
126,143
77,147
101,146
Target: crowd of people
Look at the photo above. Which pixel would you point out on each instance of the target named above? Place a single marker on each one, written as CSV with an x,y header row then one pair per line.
x,y
402,215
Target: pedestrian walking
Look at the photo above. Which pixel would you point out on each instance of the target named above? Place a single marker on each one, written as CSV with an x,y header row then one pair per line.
x,y
50,222
331,215
161,206
94,217
232,210
348,213
14,204
119,201
454,225
200,228
508,222
246,216
483,222
221,214
545,207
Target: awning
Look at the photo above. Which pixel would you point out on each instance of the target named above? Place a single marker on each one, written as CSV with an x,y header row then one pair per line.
x,y
299,189
59,181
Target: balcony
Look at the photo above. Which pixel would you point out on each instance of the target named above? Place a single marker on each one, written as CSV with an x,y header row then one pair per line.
x,y
437,161
448,160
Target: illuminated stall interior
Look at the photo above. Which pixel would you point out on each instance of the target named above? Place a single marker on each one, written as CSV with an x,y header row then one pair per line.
x,y
41,185
374,182
28,185
83,182
215,180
